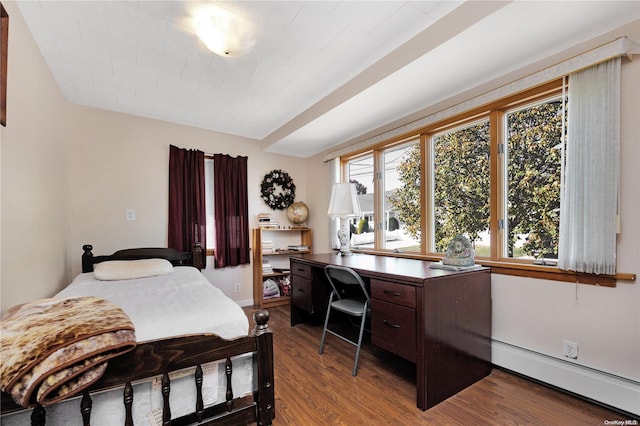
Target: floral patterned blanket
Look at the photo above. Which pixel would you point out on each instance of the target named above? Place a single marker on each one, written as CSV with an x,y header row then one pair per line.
x,y
51,349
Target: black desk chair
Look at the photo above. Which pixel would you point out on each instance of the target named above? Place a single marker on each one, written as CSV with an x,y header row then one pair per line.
x,y
350,297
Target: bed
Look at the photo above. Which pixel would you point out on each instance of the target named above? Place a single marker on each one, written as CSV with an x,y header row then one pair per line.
x,y
204,368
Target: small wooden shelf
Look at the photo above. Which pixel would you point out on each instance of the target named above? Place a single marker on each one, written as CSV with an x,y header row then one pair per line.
x,y
285,252
281,238
275,274
275,301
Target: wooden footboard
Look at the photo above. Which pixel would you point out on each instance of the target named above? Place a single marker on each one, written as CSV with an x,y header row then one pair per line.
x,y
160,357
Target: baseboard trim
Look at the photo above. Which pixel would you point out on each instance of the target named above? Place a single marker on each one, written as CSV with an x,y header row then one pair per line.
x,y
245,302
614,391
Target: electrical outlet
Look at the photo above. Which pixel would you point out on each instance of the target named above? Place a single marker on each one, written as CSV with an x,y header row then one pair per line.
x,y
570,349
237,287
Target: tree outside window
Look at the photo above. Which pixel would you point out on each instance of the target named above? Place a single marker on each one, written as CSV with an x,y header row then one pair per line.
x,y
402,200
462,186
524,132
534,162
461,183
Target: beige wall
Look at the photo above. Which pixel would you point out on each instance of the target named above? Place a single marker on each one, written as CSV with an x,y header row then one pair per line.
x,y
605,322
69,173
120,162
34,192
318,194
537,315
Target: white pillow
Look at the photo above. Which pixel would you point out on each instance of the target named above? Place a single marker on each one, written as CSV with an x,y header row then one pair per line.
x,y
130,269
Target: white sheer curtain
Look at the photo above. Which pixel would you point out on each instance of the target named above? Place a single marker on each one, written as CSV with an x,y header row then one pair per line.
x,y
589,199
334,225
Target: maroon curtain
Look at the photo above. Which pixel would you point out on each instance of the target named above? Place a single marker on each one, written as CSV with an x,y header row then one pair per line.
x,y
231,207
187,210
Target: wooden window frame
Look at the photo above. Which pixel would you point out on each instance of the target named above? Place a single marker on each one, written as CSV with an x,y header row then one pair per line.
x,y
494,112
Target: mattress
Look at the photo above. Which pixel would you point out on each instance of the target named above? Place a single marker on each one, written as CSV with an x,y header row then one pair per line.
x,y
174,304
181,302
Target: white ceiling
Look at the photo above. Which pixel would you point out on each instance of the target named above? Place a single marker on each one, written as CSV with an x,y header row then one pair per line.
x,y
321,72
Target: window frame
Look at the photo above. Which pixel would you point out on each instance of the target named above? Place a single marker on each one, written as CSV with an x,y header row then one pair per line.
x,y
409,142
209,188
504,179
469,122
495,112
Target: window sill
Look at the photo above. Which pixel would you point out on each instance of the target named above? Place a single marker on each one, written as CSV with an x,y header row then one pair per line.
x,y
528,270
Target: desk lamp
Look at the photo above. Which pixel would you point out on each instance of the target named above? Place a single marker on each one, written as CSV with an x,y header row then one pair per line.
x,y
343,205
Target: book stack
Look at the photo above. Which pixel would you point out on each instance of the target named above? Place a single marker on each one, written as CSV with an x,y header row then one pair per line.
x,y
265,221
266,268
267,247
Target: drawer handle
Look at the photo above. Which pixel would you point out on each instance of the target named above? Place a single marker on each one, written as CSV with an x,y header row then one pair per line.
x,y
301,290
388,324
300,270
391,293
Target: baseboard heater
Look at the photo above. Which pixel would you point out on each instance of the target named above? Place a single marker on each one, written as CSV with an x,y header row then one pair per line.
x,y
611,390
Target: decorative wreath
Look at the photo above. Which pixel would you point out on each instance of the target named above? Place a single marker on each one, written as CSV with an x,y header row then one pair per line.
x,y
282,199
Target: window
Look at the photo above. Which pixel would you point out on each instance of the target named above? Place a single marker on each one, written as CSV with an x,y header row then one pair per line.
x,y
402,198
360,173
209,203
461,186
491,174
533,152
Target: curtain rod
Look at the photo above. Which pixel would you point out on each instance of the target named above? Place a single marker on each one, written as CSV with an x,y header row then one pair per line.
x,y
210,156
621,46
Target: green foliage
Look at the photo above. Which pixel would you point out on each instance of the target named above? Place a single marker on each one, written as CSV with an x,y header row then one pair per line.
x,y
462,182
405,201
360,188
393,224
363,226
534,150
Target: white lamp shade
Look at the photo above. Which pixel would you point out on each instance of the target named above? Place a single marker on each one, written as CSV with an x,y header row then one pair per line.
x,y
224,33
344,201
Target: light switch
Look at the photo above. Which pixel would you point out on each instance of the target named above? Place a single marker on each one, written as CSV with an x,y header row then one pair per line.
x,y
131,214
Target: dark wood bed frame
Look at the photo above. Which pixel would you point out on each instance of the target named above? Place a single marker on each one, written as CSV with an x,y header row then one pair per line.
x,y
177,258
160,357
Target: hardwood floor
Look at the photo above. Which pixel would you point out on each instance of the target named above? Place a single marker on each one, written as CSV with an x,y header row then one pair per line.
x,y
314,389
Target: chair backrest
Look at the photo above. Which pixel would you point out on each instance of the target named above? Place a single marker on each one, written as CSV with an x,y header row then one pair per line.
x,y
341,276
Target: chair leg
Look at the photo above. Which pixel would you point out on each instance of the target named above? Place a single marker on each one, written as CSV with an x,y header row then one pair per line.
x,y
326,323
355,364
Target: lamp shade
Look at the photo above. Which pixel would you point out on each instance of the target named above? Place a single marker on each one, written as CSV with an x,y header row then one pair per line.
x,y
344,201
223,32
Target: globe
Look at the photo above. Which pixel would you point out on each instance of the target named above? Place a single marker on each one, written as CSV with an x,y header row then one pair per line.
x,y
297,213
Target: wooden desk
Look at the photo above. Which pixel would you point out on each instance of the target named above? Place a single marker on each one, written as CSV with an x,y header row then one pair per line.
x,y
440,320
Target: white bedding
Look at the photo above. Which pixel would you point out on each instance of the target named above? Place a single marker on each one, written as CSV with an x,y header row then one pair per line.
x,y
181,302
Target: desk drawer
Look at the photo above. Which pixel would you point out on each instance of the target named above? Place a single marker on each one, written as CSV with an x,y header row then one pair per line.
x,y
301,270
301,293
388,291
393,328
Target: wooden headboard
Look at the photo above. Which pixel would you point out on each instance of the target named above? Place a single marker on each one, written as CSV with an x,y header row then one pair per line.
x,y
177,258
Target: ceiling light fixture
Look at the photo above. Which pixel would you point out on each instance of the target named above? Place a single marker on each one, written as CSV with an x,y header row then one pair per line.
x,y
223,32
